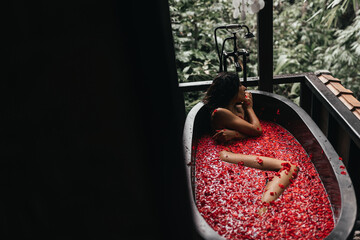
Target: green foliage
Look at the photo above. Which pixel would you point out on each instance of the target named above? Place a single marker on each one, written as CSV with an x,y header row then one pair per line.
x,y
308,36
191,99
193,23
297,42
343,57
314,36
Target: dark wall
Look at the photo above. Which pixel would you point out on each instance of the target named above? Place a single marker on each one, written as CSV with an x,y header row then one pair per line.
x,y
91,142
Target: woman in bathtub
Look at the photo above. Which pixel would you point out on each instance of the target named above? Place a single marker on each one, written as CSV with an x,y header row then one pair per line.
x,y
233,118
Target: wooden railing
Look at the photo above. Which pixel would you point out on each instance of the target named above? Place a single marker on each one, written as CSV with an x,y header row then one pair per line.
x,y
338,121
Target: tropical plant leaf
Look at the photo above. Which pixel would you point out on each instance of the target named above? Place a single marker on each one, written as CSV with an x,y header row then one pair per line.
x,y
335,3
307,36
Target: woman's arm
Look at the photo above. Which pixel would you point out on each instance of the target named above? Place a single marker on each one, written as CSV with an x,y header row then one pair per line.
x,y
223,118
225,135
252,118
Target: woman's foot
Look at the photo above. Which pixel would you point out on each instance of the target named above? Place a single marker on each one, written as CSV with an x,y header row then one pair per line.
x,y
262,211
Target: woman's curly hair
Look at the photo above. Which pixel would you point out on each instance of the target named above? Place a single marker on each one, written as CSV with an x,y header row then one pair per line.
x,y
223,88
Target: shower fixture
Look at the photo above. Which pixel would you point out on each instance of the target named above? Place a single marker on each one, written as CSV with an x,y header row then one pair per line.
x,y
236,53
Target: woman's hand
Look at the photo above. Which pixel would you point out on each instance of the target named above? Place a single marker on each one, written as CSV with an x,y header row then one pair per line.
x,y
226,135
248,103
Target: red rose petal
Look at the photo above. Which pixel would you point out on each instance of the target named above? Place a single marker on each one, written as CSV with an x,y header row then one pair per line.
x,y
286,165
343,172
259,160
228,197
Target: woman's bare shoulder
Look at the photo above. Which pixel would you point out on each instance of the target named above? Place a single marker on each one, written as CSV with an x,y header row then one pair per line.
x,y
221,113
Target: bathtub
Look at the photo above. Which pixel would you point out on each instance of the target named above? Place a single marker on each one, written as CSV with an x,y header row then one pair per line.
x,y
293,118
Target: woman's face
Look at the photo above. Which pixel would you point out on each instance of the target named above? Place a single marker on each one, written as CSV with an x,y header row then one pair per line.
x,y
241,93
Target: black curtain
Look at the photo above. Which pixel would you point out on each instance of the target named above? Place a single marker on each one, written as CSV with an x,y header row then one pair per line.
x,y
91,137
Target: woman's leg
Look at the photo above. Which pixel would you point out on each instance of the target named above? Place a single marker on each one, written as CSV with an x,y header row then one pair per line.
x,y
276,186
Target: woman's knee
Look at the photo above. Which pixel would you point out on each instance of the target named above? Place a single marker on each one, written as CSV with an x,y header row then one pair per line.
x,y
294,170
224,155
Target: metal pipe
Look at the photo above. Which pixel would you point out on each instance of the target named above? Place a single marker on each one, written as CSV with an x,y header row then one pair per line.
x,y
227,27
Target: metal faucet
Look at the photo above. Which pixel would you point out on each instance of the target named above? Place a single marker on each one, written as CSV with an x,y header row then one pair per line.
x,y
236,53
